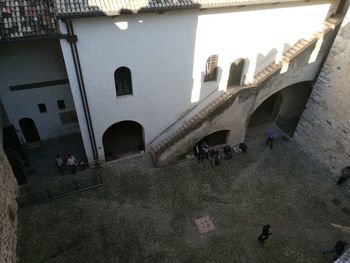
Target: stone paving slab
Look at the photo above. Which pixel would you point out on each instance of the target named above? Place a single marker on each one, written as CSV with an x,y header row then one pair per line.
x,y
204,224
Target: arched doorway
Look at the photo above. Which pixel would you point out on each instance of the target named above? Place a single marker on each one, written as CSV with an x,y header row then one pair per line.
x,y
236,71
295,98
267,112
29,131
282,109
123,139
215,138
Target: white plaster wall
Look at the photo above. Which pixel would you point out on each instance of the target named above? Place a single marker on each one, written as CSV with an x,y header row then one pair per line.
x,y
30,62
167,56
73,81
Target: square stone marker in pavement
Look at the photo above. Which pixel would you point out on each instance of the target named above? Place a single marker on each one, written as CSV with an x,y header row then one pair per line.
x,y
204,224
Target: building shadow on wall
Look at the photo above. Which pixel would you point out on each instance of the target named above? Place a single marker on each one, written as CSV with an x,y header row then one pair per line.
x,y
208,87
238,72
263,61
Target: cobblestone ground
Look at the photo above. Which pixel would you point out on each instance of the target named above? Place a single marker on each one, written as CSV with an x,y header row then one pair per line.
x,y
146,214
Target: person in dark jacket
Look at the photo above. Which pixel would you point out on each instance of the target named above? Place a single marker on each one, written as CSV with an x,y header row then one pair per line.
x,y
345,175
270,136
338,249
265,233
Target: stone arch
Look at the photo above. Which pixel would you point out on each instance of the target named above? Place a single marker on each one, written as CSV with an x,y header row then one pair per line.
x,y
216,138
267,111
29,130
284,107
269,91
236,71
123,139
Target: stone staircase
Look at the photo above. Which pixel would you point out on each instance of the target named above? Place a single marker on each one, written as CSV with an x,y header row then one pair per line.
x,y
181,127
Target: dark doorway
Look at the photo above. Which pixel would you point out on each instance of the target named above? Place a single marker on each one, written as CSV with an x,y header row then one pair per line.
x,y
283,108
295,98
267,112
16,165
29,130
123,139
236,71
11,141
215,138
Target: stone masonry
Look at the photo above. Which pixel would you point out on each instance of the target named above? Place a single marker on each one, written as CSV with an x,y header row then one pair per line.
x,y
8,209
234,112
324,128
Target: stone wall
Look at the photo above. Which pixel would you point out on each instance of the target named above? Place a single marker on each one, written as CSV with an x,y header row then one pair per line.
x,y
234,114
8,209
324,129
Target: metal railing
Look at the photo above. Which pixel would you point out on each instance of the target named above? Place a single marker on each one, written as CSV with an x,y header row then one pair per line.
x,y
33,196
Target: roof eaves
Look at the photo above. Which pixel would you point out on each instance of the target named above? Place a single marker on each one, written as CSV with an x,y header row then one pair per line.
x,y
31,38
127,12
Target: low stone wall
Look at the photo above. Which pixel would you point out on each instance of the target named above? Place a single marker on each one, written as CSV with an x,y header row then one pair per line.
x,y
324,128
8,209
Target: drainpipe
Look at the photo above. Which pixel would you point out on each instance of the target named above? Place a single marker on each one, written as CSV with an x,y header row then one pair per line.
x,y
72,39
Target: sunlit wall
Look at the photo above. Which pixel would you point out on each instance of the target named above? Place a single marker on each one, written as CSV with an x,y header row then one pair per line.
x,y
167,56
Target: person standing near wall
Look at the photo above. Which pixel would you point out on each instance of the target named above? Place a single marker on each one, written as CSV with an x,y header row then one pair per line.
x,y
338,249
72,163
59,164
270,137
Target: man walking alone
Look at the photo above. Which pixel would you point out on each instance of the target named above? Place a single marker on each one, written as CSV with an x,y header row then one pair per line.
x,y
270,137
265,233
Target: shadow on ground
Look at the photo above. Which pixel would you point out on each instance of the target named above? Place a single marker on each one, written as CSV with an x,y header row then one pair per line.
x,y
146,214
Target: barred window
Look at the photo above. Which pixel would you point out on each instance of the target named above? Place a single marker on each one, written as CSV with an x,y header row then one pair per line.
x,y
211,68
123,84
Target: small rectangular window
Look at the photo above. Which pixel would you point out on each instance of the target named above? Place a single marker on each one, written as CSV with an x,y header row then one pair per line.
x,y
61,105
42,107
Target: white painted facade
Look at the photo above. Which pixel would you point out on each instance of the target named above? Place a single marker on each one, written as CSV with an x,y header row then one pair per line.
x,y
33,62
167,56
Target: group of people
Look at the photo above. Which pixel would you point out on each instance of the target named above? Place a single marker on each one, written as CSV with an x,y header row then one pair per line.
x,y
202,151
68,161
338,248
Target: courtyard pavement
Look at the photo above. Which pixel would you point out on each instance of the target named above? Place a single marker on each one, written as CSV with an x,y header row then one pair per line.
x,y
146,214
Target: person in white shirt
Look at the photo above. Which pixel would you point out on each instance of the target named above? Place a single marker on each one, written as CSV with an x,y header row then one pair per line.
x,y
72,163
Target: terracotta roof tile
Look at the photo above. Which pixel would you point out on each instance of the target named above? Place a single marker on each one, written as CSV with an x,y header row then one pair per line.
x,y
115,7
20,19
26,18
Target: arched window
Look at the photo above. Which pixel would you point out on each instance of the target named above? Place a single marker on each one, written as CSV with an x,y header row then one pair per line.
x,y
123,84
211,70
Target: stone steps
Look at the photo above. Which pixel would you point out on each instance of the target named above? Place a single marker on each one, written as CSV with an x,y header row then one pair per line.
x,y
291,53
